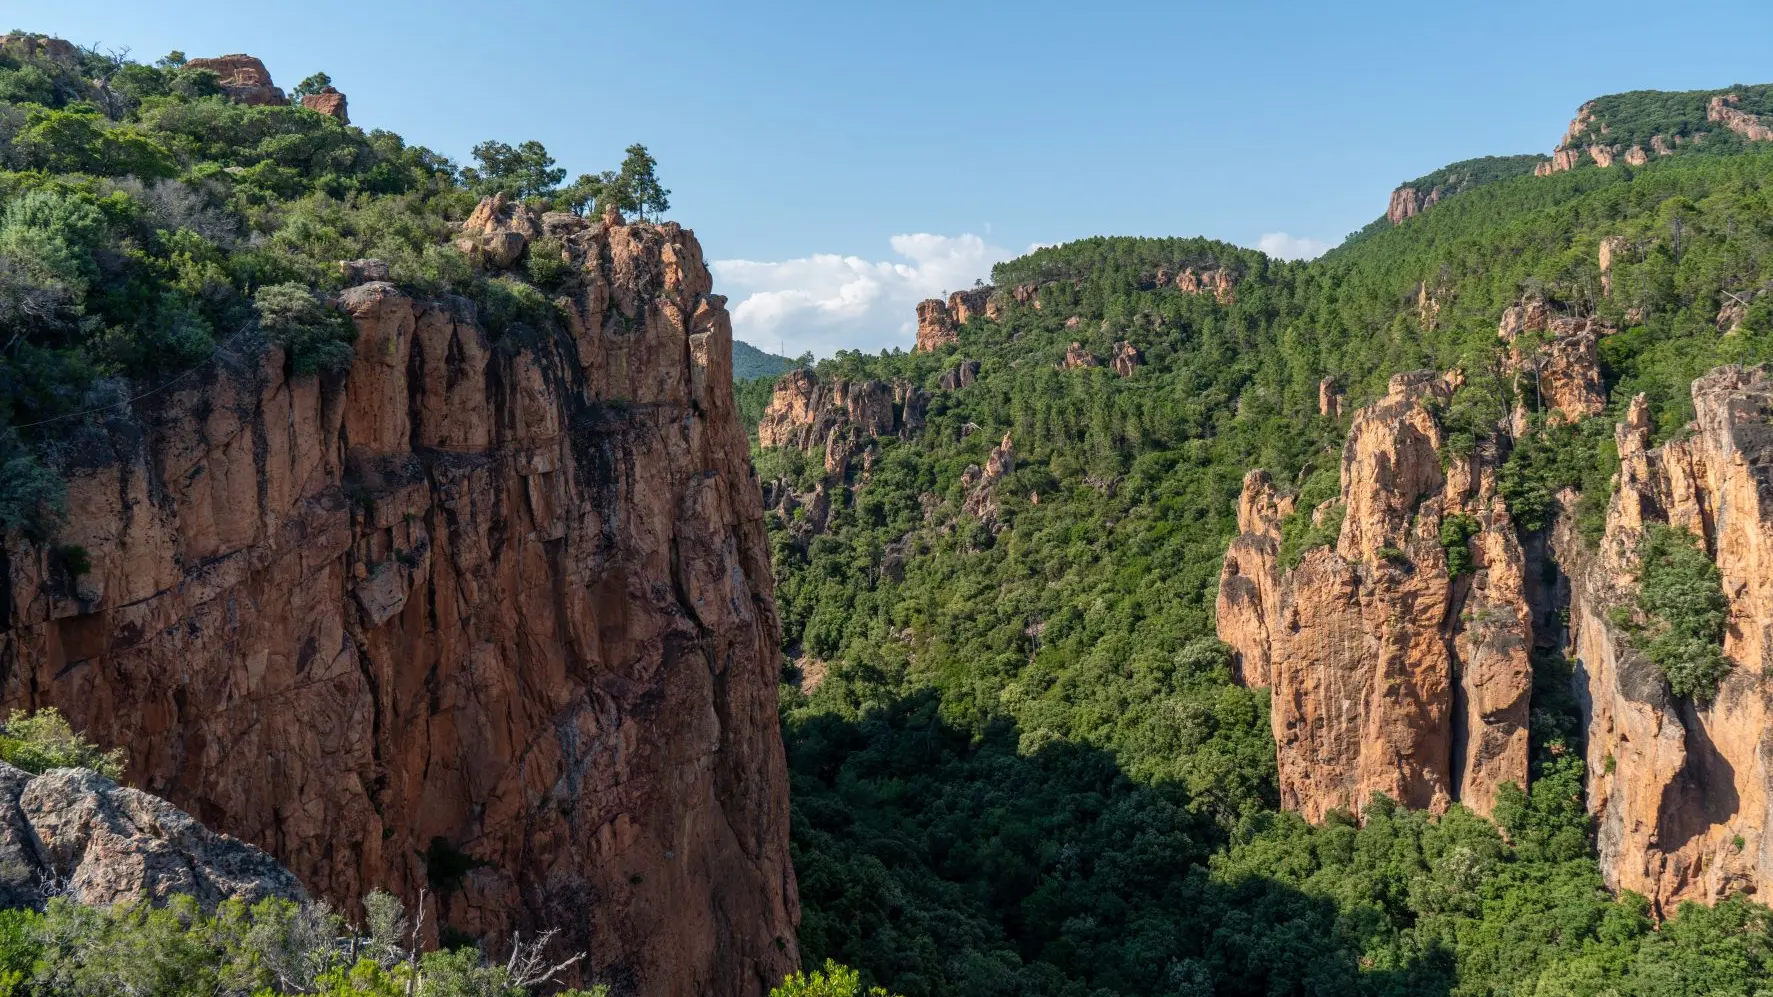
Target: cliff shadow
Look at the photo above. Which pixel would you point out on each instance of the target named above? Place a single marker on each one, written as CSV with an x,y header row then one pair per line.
x,y
943,860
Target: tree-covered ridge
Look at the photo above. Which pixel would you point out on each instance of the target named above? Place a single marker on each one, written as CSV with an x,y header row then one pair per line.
x,y
1019,716
1092,257
750,362
1456,178
1638,116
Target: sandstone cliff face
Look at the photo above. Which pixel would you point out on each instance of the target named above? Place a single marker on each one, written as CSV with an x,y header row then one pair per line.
x,y
1408,202
328,101
1724,111
935,326
1682,792
510,599
1564,368
243,78
1212,281
1388,673
840,416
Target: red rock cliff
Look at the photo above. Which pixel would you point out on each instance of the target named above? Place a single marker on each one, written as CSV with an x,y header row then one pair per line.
x,y
1388,672
1682,791
508,599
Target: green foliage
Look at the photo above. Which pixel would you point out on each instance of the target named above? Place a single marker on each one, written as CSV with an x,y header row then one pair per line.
x,y
1681,599
317,335
311,85
1457,529
40,741
522,171
750,362
274,948
832,981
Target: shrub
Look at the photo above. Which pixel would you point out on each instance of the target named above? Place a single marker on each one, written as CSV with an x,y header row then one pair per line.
x,y
40,741
317,335
833,981
1681,598
1456,533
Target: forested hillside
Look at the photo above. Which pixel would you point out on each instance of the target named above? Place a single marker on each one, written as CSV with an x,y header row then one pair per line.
x,y
1020,762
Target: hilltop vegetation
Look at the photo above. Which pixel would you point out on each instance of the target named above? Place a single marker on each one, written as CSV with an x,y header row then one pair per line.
x,y
147,220
1026,768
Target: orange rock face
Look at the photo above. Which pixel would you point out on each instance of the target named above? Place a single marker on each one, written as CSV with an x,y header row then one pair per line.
x,y
1076,356
1681,791
1388,674
1565,367
511,600
1216,282
1724,111
935,326
329,102
1329,398
839,416
967,305
243,78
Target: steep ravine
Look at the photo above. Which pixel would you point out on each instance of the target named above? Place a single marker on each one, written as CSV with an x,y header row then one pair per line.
x,y
490,616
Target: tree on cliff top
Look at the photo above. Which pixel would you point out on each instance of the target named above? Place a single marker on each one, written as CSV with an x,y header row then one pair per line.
x,y
522,171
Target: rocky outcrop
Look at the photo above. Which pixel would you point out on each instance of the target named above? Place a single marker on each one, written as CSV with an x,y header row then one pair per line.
x,y
839,417
243,79
1635,156
1561,160
1564,369
498,232
506,604
1612,248
1682,791
935,326
1126,359
1408,202
1214,281
76,834
1397,663
1722,109
1248,581
1329,398
22,45
959,376
964,306
1076,356
329,101
978,482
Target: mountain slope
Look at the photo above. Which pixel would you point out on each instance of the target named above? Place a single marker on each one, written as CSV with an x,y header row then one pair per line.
x,y
1014,721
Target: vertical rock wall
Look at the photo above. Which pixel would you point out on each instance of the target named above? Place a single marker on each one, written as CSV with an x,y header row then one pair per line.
x,y
491,617
1389,674
1681,789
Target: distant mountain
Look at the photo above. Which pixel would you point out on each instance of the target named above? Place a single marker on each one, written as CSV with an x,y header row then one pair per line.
x,y
750,362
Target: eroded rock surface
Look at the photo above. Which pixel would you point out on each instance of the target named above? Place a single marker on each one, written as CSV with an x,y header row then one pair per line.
x,y
243,78
75,833
1388,672
509,599
1681,790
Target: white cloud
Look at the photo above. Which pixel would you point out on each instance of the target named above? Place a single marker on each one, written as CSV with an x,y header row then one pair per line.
x,y
827,302
1288,247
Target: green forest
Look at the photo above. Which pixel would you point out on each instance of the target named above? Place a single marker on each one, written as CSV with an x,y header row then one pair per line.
x,y
1027,770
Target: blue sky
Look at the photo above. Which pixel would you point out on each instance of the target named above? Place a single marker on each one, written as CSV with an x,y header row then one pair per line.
x,y
842,160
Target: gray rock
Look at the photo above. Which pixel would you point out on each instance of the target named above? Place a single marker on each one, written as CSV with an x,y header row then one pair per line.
x,y
75,833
